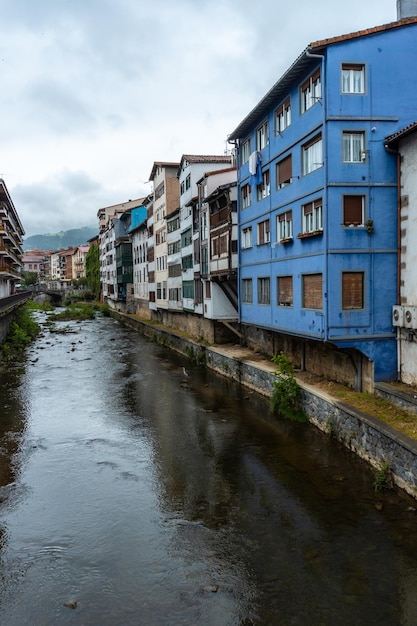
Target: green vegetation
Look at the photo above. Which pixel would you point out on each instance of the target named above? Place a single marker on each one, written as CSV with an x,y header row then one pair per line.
x,y
39,306
21,333
383,477
92,270
28,279
79,311
287,392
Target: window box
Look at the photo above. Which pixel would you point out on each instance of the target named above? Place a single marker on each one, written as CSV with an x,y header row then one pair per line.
x,y
286,240
313,233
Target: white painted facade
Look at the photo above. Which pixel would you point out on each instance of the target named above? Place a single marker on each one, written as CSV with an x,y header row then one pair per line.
x,y
405,313
191,170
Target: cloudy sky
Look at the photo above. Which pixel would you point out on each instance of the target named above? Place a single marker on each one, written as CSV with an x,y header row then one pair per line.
x,y
94,91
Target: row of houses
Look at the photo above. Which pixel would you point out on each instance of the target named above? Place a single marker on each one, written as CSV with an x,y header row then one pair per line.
x,y
301,238
58,269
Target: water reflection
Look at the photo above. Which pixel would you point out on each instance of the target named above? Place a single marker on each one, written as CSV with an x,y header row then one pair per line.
x,y
148,497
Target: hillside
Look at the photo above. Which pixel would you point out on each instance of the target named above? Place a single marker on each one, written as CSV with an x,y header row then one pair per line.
x,y
64,239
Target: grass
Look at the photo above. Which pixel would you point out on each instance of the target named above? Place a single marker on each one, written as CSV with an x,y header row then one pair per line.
x,y
380,408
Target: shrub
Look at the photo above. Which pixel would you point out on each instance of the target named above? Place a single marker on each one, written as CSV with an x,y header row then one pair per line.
x,y
287,392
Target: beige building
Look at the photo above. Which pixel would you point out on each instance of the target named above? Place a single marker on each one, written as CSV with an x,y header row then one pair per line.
x,y
165,202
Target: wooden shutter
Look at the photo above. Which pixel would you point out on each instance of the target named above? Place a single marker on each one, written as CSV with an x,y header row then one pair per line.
x,y
313,291
285,291
352,210
352,290
285,170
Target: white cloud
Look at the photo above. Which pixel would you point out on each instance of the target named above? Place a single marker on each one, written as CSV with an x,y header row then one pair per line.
x,y
94,91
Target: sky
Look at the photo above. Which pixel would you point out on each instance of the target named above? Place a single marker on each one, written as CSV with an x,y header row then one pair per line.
x,y
94,91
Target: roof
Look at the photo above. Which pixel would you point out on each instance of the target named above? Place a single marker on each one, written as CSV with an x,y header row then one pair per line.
x,y
403,132
123,206
298,68
204,158
161,164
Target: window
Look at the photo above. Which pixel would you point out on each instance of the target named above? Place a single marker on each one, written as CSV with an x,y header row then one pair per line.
x,y
263,232
353,147
187,262
188,182
247,295
313,291
284,172
310,92
262,138
284,226
353,210
186,238
188,289
284,291
352,290
264,291
264,189
313,216
246,196
283,117
246,239
182,187
245,151
312,155
353,78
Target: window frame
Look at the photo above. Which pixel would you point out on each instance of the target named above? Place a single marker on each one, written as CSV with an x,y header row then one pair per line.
x,y
264,290
246,238
348,206
349,80
284,172
245,151
353,290
349,147
315,222
262,136
285,231
309,149
246,195
282,116
263,232
310,91
311,291
285,291
247,291
263,190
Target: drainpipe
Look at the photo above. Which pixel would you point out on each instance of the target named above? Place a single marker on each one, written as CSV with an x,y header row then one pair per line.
x,y
322,57
388,149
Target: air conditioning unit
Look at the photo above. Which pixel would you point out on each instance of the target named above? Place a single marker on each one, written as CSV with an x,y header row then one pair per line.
x,y
398,315
410,317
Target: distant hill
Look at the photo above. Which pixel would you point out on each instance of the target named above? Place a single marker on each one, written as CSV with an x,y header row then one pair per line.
x,y
64,239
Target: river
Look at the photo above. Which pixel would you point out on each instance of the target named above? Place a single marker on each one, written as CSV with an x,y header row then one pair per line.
x,y
134,494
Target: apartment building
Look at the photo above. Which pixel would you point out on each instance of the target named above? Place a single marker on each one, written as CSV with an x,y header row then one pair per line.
x,y
11,240
317,199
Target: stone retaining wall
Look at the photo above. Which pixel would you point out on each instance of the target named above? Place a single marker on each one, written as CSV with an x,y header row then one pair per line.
x,y
370,439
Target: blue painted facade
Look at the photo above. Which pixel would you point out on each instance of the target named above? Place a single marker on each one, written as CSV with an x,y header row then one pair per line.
x,y
345,95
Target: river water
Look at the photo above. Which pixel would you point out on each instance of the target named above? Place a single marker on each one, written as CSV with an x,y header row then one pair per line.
x,y
131,494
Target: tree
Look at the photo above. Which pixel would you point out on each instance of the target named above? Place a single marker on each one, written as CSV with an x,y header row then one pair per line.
x,y
29,278
92,269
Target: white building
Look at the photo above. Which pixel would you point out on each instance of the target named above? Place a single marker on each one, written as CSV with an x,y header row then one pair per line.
x,y
404,315
190,171
11,239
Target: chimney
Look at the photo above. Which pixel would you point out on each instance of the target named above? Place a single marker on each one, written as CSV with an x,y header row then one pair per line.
x,y
406,8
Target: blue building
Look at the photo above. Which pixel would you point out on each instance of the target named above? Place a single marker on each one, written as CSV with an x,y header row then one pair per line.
x,y
318,203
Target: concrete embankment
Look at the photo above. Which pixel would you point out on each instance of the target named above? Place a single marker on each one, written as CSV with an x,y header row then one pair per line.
x,y
372,440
